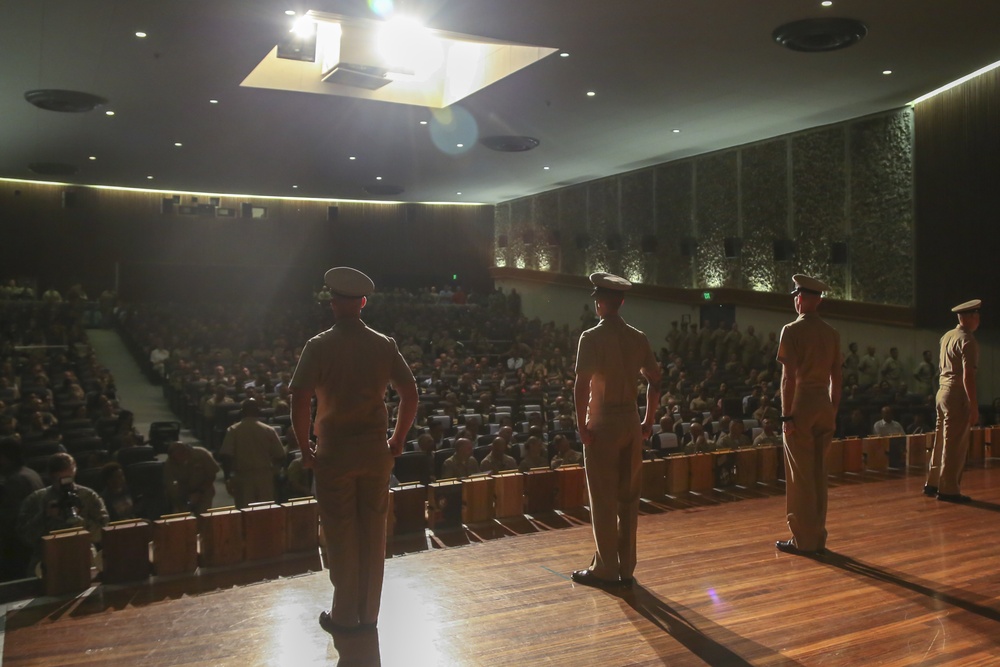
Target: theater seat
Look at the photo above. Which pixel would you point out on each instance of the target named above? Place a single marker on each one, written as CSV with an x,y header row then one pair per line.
x,y
145,483
130,455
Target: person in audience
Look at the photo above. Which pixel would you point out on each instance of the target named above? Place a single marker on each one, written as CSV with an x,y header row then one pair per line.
x,y
534,455
62,504
809,352
189,477
17,482
125,435
918,425
923,377
610,358
887,426
462,463
158,357
251,451
891,370
750,349
767,437
696,442
565,454
348,369
116,496
957,405
498,460
298,479
868,369
735,438
766,411
851,361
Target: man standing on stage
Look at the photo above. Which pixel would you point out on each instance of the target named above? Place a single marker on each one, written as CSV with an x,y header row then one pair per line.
x,y
957,407
347,368
609,360
809,352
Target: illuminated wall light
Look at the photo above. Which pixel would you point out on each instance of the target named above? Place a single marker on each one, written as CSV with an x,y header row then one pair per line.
x,y
499,259
956,82
544,263
520,263
634,276
761,285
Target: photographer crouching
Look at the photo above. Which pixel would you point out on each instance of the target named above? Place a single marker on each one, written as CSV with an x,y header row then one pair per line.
x,y
63,504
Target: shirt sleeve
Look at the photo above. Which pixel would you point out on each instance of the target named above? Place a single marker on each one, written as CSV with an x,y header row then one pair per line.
x,y
306,373
586,361
785,347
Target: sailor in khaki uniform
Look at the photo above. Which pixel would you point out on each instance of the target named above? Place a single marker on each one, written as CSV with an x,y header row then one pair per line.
x,y
957,407
347,368
809,352
609,360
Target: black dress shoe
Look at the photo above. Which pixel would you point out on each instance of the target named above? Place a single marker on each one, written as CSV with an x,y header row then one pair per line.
x,y
788,546
954,498
588,578
930,490
327,624
626,582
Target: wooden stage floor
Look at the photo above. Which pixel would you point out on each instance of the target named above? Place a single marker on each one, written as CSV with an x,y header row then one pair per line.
x,y
909,581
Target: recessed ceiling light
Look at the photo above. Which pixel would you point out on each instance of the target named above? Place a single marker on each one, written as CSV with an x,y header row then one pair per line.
x,y
423,122
92,157
149,178
675,131
564,55
458,193
213,101
140,34
590,93
378,178
178,144
290,12
352,158
545,168
109,113
459,145
887,71
827,3
295,187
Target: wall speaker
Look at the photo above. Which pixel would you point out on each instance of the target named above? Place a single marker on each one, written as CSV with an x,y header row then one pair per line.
x,y
69,199
246,210
732,246
650,243
784,250
332,212
838,252
688,246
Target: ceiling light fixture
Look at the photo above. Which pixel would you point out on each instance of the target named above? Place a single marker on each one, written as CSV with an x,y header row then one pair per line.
x,y
675,131
564,55
423,122
178,144
149,178
65,101
289,12
887,72
140,34
820,35
213,101
378,178
827,3
545,168
352,158
109,113
92,157
590,93
295,187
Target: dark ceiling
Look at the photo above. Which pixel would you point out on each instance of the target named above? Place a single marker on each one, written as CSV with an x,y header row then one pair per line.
x,y
708,68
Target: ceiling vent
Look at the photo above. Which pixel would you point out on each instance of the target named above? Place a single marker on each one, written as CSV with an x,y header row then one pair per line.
x,y
357,76
820,35
510,143
65,101
52,168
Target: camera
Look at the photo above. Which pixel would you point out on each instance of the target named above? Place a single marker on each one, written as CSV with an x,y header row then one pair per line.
x,y
69,503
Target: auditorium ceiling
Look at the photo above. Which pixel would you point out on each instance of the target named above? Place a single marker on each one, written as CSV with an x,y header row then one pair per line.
x,y
670,79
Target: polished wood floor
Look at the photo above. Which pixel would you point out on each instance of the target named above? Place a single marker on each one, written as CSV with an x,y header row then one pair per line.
x,y
909,581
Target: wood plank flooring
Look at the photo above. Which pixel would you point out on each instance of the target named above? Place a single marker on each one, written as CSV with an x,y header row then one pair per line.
x,y
909,581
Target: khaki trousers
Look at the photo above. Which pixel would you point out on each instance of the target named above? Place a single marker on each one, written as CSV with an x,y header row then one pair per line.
x,y
254,486
352,490
951,441
614,480
805,467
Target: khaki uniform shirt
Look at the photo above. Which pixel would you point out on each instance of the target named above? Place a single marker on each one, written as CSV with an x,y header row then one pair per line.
x,y
613,353
813,347
253,447
959,350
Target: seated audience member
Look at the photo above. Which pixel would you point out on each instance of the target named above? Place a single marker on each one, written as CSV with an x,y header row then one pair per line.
x,y
218,397
723,428
735,438
918,426
436,431
534,455
126,434
565,454
767,436
63,504
189,477
696,442
887,425
766,411
498,460
158,357
462,463
17,482
117,499
856,426
299,479
251,451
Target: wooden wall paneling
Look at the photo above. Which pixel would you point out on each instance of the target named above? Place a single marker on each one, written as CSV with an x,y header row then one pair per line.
x,y
125,551
175,544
